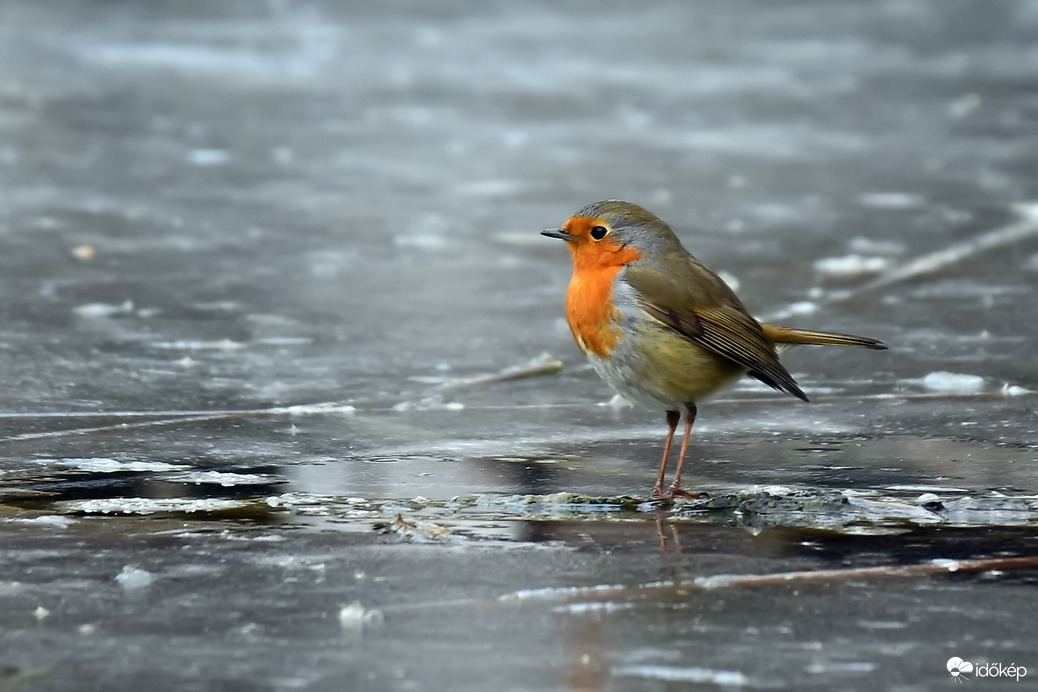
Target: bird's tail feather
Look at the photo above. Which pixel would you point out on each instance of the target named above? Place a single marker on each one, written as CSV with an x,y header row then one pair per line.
x,y
788,335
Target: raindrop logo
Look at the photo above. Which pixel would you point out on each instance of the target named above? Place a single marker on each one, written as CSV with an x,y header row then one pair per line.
x,y
957,667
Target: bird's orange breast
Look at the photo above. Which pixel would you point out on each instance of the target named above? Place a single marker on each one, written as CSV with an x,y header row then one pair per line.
x,y
592,316
590,311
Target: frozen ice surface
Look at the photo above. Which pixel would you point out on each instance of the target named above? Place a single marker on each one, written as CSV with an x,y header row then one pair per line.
x,y
891,200
851,265
132,577
957,383
106,465
872,246
802,307
103,310
273,295
355,616
209,157
139,505
688,674
56,521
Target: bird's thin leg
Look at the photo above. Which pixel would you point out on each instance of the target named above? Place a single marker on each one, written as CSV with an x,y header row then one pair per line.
x,y
690,420
672,422
662,533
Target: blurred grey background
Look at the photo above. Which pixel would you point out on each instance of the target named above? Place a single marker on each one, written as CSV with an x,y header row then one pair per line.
x,y
210,212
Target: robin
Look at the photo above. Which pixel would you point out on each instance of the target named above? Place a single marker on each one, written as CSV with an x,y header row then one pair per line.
x,y
659,327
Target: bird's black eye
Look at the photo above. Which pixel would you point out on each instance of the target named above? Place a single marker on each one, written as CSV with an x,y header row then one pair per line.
x,y
599,232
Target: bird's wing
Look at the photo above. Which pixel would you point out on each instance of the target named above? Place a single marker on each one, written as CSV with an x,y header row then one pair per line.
x,y
699,305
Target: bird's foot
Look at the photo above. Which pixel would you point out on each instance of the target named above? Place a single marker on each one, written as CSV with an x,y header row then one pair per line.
x,y
667,496
678,491
661,496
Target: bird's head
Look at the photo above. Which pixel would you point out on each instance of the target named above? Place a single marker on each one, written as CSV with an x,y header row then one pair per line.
x,y
613,233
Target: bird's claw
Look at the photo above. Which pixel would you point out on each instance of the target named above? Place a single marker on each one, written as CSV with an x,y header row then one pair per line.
x,y
687,494
667,497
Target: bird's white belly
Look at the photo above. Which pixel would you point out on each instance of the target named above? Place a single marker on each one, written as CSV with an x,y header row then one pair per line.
x,y
655,367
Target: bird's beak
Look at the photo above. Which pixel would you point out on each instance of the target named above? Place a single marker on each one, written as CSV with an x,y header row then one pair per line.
x,y
559,233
